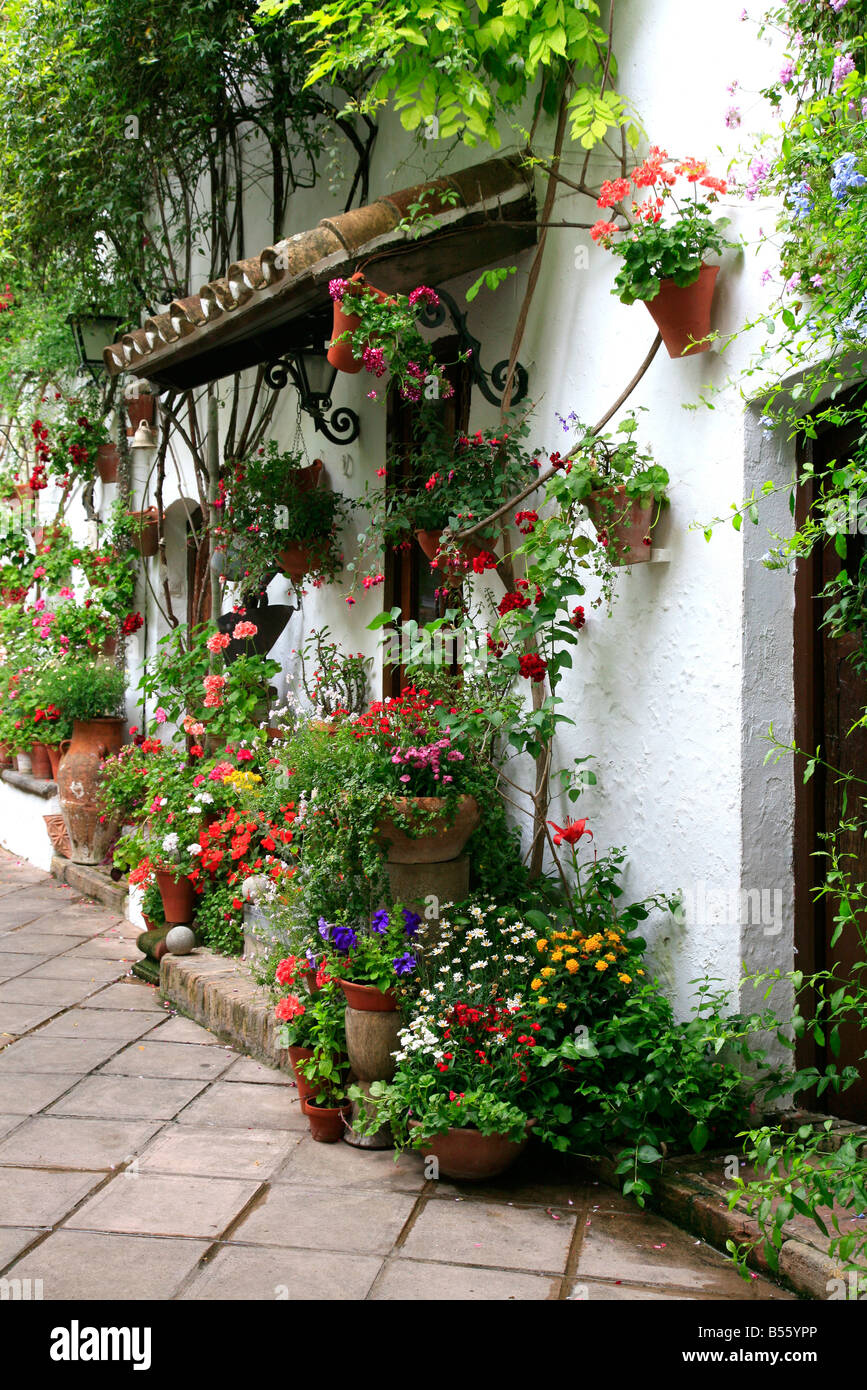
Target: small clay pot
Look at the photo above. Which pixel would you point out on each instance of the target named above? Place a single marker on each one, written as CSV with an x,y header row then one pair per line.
x,y
55,753
296,1055
139,408
107,460
326,1123
430,544
439,843
682,313
298,560
145,537
40,762
623,523
176,892
368,999
340,354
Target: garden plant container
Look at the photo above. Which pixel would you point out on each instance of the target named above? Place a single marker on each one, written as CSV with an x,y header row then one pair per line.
x,y
682,313
90,832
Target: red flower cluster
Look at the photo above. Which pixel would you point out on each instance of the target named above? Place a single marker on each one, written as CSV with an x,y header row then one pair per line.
x,y
131,623
485,561
238,848
511,601
488,1037
526,522
578,619
532,667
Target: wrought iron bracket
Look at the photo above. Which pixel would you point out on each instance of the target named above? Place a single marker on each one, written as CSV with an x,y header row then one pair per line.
x,y
485,381
341,426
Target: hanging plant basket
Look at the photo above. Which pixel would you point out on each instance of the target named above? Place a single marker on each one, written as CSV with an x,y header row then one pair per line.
x,y
682,313
300,558
145,537
441,839
430,544
107,460
306,479
340,355
622,524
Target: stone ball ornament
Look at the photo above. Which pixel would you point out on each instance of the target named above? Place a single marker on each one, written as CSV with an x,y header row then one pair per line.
x,y
180,941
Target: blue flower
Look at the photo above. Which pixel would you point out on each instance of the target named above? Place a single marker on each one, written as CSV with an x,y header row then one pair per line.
x,y
324,929
344,938
799,195
846,177
411,922
404,965
380,922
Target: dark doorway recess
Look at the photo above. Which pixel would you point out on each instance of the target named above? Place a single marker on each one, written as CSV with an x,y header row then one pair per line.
x,y
830,697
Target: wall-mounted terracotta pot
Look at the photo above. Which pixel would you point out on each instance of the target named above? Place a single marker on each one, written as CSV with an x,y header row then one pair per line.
x,y
623,525
107,460
139,408
145,537
299,559
430,544
90,831
340,354
682,313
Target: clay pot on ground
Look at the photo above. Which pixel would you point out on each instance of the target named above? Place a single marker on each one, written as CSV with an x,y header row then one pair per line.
x,y
340,354
107,460
145,535
40,762
55,753
623,524
90,832
327,1123
442,840
682,313
5,756
468,1155
176,892
139,408
430,544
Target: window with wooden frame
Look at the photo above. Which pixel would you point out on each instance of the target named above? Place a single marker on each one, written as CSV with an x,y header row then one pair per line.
x,y
410,583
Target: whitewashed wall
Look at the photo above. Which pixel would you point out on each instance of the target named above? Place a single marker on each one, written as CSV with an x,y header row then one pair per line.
x,y
673,693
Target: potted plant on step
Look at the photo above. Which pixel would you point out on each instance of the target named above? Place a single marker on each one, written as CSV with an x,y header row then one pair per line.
x,y
663,240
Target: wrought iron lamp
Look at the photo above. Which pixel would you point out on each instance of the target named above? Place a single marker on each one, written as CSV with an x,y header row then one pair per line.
x,y
92,332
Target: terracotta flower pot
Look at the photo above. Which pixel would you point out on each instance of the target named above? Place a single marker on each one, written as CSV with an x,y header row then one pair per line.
x,y
107,460
327,1123
340,354
45,536
306,479
145,537
682,312
430,544
176,892
90,831
296,1055
40,762
298,560
440,841
55,753
24,492
469,1155
139,408
5,755
368,999
623,524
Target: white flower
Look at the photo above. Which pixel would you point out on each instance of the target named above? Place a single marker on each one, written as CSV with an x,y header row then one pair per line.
x,y
206,797
194,849
170,843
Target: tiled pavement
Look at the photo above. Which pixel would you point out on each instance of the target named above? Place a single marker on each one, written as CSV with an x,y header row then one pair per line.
x,y
142,1159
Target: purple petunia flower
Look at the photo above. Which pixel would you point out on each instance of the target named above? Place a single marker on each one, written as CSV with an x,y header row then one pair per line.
x,y
404,965
380,922
324,929
411,922
344,938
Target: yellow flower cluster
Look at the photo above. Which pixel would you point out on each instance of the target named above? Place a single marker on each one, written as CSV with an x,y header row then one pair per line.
x,y
566,951
243,781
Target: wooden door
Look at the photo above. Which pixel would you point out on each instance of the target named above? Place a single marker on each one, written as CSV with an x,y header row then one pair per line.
x,y
831,696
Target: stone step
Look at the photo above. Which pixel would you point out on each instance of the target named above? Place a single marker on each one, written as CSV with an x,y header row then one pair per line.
x,y
94,882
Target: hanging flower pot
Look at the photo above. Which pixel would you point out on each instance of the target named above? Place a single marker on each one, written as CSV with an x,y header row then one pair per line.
x,y
145,536
176,892
298,558
25,493
40,762
340,355
90,831
430,544
327,1123
306,479
367,999
468,1155
682,313
441,838
623,524
107,460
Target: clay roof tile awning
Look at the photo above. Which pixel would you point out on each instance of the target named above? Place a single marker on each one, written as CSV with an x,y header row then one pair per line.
x,y
263,305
